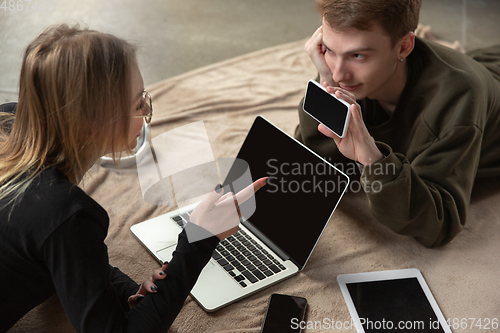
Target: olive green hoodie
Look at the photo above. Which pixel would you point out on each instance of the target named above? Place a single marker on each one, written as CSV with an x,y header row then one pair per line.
x,y
444,132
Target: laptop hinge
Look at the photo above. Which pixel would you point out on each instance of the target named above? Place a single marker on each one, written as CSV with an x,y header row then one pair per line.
x,y
267,241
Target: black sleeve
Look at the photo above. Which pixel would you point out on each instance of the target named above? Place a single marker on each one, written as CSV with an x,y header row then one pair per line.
x,y
159,310
124,286
77,259
93,294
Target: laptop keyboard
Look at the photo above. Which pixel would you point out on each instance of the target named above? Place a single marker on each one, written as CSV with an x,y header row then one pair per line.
x,y
246,260
241,256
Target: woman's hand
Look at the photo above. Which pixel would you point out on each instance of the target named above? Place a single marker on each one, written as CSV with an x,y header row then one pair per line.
x,y
148,286
316,50
358,144
220,214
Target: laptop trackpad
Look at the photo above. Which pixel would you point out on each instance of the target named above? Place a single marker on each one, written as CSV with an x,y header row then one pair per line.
x,y
208,266
166,253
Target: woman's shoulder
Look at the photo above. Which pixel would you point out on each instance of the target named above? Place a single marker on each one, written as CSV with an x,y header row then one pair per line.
x,y
54,191
47,204
51,199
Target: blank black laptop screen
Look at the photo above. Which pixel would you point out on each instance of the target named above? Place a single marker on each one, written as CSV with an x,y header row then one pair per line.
x,y
303,190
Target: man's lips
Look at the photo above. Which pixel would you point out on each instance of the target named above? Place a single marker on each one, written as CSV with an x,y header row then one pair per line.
x,y
349,88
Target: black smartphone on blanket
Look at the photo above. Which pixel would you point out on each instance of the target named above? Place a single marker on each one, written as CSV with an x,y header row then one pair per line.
x,y
327,108
285,314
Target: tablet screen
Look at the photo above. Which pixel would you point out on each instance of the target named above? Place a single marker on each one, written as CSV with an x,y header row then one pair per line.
x,y
393,305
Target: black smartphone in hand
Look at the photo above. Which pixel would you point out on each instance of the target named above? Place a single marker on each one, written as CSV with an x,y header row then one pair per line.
x,y
327,108
284,314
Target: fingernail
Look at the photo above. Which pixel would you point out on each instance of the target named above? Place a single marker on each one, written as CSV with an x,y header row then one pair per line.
x,y
218,188
154,289
139,298
162,273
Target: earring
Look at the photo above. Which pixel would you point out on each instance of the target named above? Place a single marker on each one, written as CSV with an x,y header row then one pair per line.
x,y
402,59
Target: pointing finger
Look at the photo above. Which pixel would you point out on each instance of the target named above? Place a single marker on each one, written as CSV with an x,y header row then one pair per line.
x,y
250,190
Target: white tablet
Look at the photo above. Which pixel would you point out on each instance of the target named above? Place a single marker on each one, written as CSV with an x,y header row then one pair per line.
x,y
387,301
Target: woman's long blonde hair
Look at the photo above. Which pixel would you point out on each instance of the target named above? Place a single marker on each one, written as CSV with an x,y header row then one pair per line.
x,y
74,106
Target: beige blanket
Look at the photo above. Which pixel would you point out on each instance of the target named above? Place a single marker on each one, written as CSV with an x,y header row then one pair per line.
x,y
463,275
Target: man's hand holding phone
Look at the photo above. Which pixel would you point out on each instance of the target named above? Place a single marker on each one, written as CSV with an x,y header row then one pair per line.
x,y
357,144
327,108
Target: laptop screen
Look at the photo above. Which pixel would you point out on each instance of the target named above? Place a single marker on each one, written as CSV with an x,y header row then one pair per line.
x,y
303,190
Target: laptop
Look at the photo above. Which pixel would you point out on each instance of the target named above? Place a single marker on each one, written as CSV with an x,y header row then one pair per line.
x,y
277,240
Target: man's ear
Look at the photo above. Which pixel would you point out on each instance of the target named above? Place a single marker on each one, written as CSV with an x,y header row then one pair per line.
x,y
406,45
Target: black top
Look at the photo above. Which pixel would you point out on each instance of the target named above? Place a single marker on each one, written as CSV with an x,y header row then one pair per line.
x,y
53,242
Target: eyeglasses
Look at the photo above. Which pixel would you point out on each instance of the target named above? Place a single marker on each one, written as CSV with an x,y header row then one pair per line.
x,y
146,105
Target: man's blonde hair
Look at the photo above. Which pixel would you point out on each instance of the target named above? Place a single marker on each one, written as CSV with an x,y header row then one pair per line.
x,y
74,106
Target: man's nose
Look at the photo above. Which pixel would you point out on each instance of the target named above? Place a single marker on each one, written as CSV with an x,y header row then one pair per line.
x,y
340,72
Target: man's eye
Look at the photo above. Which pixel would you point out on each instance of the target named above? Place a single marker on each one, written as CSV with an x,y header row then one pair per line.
x,y
358,56
330,53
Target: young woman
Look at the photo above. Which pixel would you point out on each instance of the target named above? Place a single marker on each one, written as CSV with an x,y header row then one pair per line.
x,y
81,96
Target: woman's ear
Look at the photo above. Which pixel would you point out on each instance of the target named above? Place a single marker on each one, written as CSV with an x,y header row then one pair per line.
x,y
406,45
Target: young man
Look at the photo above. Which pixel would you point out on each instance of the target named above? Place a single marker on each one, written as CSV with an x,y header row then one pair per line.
x,y
425,119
